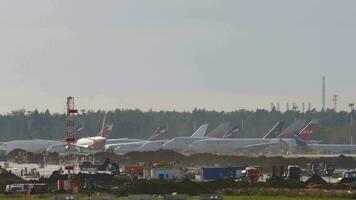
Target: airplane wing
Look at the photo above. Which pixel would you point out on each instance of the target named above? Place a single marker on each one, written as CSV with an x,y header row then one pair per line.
x,y
81,146
256,147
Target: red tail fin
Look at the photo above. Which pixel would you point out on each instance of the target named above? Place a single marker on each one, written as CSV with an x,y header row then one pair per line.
x,y
309,130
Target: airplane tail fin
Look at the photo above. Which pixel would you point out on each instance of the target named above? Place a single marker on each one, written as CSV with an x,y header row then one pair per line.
x,y
106,129
301,143
232,132
159,134
275,131
219,131
309,130
294,128
201,131
77,131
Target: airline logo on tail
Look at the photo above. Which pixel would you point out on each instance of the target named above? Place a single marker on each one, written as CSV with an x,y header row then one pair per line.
x,y
309,130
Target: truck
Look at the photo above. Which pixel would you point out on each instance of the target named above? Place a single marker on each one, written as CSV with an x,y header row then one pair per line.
x,y
293,173
251,174
348,177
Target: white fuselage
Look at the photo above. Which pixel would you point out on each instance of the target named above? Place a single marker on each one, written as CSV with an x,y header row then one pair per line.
x,y
128,147
152,145
181,144
229,146
120,141
96,143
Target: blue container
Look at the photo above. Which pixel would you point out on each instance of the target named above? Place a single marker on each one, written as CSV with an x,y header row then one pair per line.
x,y
161,176
216,173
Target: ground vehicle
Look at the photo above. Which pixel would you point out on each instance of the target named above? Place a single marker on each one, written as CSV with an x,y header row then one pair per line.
x,y
348,177
293,173
251,174
88,166
33,188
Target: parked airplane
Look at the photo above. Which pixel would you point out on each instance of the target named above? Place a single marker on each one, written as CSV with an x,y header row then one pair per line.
x,y
181,144
87,144
154,145
228,146
327,148
158,135
35,145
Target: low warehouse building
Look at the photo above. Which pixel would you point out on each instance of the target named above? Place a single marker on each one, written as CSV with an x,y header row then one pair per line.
x,y
163,173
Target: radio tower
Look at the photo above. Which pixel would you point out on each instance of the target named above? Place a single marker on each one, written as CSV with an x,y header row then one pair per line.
x,y
70,139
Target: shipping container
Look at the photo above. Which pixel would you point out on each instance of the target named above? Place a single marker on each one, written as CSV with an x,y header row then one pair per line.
x,y
133,170
216,173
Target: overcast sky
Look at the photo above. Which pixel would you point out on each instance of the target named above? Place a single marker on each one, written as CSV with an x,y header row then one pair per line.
x,y
176,54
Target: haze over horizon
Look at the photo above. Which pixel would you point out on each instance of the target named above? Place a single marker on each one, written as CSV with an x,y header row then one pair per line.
x,y
175,55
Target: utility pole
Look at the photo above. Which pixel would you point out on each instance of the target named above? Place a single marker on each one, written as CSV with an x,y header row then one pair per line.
x,y
351,105
335,102
323,95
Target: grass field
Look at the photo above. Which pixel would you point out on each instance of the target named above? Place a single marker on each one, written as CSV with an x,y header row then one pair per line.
x,y
195,198
272,198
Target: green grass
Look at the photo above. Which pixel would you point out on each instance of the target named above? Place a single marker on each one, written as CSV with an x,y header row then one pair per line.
x,y
191,198
272,198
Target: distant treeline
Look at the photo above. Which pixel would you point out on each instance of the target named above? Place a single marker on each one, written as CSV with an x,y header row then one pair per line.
x,y
334,126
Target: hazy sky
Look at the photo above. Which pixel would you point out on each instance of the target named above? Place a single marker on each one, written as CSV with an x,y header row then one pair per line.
x,y
175,54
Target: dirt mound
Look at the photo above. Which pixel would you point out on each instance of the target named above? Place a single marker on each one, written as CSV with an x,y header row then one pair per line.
x,y
315,180
102,156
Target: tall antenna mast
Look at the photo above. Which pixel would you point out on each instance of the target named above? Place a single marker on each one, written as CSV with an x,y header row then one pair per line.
x,y
70,140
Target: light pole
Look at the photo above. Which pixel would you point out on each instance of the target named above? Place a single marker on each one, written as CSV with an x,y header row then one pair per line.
x,y
351,105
